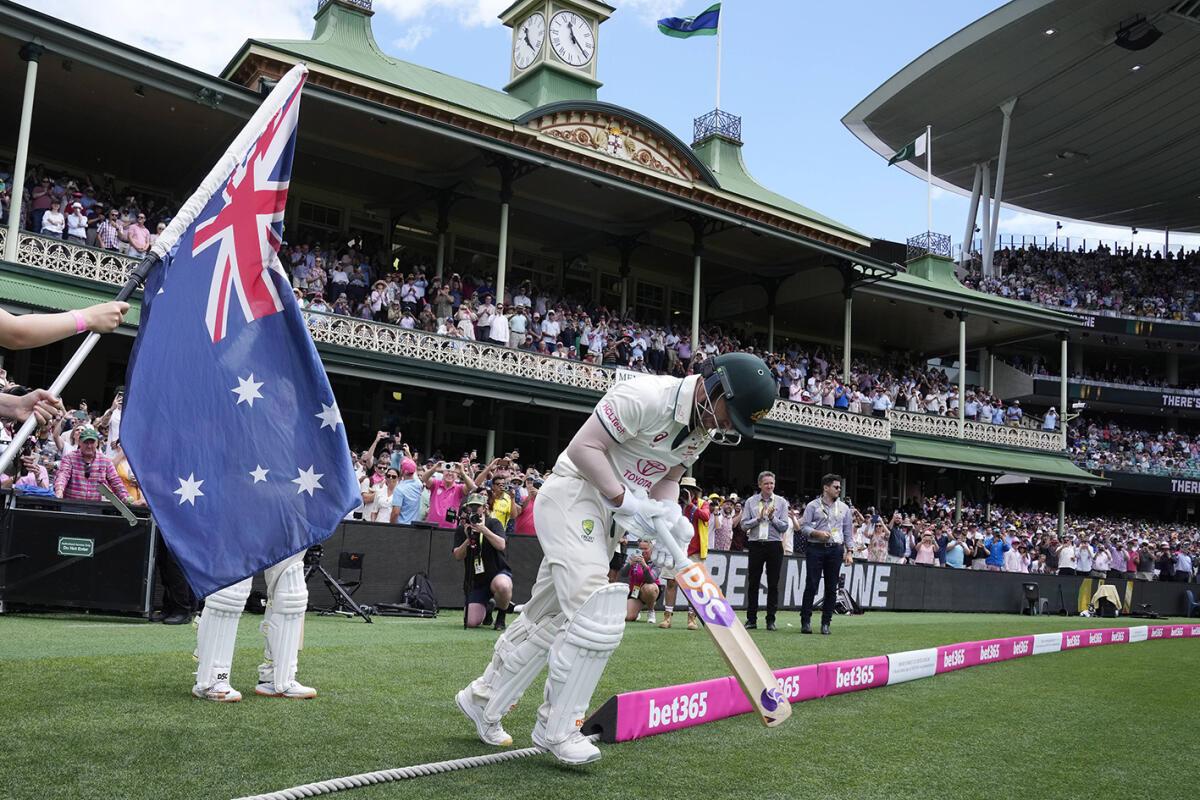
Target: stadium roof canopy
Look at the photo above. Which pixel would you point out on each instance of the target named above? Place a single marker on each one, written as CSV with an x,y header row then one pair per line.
x,y
1100,132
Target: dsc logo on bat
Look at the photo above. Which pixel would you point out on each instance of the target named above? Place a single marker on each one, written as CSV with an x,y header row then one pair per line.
x,y
704,595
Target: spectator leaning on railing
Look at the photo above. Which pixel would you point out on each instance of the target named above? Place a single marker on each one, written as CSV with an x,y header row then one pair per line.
x,y
82,472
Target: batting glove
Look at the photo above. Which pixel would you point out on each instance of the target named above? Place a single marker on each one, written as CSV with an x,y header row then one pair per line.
x,y
637,513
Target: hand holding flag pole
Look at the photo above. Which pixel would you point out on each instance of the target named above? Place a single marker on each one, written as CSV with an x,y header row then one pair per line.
x,y
167,239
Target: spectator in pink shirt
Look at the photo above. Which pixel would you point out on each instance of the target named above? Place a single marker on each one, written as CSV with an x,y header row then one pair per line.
x,y
446,492
82,471
139,237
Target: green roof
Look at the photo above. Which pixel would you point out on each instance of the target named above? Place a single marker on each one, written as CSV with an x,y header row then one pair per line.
x,y
981,458
936,273
724,157
37,292
343,39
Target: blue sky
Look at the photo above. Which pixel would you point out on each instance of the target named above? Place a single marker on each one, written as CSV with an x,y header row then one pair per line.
x,y
792,69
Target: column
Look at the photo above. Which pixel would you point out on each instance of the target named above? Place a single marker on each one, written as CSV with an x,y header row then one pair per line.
x,y
698,252
771,325
962,373
847,327
489,446
1062,393
30,52
625,247
986,236
958,506
1062,513
445,200
1172,368
1006,109
972,215
502,255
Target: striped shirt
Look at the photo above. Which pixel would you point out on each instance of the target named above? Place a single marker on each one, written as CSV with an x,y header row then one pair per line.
x,y
108,235
76,480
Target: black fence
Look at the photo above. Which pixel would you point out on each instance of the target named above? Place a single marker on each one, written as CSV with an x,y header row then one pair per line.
x,y
77,558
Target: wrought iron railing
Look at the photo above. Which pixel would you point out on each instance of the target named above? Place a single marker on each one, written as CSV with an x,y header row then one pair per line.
x,y
928,242
717,123
363,4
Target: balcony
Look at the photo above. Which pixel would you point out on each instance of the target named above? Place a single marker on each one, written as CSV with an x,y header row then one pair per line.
x,y
102,266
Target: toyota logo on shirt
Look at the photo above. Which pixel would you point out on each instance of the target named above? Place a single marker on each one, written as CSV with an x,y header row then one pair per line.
x,y
648,468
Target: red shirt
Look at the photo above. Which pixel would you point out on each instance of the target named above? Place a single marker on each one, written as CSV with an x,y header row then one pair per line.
x,y
524,524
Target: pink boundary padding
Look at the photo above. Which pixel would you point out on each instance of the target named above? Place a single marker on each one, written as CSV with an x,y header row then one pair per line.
x,y
653,711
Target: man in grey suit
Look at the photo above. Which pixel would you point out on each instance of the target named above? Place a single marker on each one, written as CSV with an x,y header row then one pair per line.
x,y
765,521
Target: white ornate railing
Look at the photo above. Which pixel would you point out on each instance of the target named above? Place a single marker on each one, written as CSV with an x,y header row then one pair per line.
x,y
1004,435
361,334
1007,436
925,424
71,259
831,419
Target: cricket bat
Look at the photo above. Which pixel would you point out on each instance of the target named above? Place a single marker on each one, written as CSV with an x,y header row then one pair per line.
x,y
728,634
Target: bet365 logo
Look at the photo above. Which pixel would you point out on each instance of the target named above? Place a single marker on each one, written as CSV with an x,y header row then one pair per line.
x,y
704,595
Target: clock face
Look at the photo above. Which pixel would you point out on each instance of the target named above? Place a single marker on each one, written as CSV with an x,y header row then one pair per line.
x,y
530,35
572,38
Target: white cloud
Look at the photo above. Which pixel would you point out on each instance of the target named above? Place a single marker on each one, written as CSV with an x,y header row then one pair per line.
x,y
204,36
413,36
467,12
653,10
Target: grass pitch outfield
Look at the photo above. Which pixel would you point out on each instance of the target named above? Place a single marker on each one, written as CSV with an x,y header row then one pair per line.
x,y
99,708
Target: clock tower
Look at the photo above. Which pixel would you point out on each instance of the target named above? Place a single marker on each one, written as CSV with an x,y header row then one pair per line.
x,y
553,55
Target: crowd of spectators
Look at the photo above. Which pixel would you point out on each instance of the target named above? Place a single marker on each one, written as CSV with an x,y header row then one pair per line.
x,y
344,281
83,209
1110,446
1137,282
1125,374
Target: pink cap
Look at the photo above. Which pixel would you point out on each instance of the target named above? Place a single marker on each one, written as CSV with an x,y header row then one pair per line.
x,y
408,467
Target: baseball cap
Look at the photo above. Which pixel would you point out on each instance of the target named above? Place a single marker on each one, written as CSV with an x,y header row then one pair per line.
x,y
477,499
408,466
89,433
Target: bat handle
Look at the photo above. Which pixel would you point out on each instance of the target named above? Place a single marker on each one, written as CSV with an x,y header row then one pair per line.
x,y
669,542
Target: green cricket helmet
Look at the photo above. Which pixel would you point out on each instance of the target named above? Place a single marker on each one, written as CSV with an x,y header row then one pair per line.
x,y
745,381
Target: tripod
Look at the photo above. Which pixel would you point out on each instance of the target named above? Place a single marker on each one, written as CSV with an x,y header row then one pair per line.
x,y
343,603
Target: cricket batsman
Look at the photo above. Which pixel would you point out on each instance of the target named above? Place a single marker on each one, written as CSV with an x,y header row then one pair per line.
x,y
620,471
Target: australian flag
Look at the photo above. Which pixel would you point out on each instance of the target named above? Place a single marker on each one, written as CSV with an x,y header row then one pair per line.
x,y
230,424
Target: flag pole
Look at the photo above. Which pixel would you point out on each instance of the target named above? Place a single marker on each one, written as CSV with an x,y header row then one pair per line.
x,y
928,184
166,241
720,26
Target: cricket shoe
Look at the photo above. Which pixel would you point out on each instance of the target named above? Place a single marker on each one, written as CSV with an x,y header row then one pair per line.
x,y
219,692
489,732
293,691
576,749
651,619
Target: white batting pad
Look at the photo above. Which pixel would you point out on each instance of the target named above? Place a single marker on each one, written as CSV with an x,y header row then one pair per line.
x,y
577,659
217,633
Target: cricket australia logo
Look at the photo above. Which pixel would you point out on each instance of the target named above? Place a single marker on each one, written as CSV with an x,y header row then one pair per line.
x,y
588,527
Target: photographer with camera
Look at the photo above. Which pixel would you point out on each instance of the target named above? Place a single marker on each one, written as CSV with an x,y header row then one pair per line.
x,y
642,577
479,542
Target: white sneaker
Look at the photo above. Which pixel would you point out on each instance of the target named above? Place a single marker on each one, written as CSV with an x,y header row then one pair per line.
x,y
575,749
489,732
650,618
293,691
219,692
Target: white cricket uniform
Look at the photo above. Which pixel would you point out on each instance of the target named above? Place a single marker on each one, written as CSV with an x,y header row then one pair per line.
x,y
647,417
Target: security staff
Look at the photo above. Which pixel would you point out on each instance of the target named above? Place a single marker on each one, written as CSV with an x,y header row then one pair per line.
x,y
828,528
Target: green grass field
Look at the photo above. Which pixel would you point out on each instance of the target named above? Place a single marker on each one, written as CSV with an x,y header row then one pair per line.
x,y
99,708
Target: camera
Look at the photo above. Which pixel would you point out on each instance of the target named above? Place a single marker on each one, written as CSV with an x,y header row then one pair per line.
x,y
475,519
312,556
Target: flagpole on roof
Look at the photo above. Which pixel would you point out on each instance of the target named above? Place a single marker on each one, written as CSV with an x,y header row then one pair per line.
x,y
928,183
720,26
167,239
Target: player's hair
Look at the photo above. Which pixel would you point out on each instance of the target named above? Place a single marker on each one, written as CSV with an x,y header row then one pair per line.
x,y
766,473
830,478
